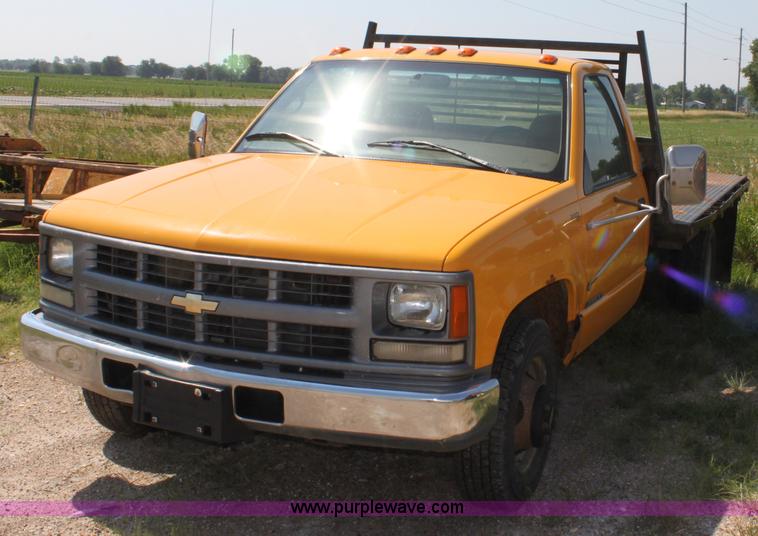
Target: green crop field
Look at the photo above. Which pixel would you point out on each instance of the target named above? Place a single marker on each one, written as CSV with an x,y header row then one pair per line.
x,y
683,385
65,85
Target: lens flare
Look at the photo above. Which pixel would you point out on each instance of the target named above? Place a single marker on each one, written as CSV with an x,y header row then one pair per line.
x,y
601,239
686,280
733,304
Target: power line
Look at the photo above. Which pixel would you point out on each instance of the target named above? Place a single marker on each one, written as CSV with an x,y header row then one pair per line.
x,y
659,7
712,36
563,18
712,19
641,12
700,21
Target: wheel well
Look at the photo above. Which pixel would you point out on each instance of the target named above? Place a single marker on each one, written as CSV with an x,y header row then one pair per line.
x,y
551,305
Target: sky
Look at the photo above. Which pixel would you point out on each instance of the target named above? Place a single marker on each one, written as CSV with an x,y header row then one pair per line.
x,y
290,32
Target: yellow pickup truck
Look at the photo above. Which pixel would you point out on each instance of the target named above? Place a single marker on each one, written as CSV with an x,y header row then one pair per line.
x,y
400,251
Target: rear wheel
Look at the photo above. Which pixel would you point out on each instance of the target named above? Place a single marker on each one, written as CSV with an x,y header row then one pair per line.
x,y
509,462
115,416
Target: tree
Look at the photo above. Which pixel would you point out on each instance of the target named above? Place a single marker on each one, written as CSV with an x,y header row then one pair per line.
x,y
39,66
58,67
704,93
674,94
252,71
95,68
146,68
751,73
164,70
75,65
194,73
724,98
112,66
219,72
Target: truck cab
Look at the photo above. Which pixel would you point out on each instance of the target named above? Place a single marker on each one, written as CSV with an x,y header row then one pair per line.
x,y
399,251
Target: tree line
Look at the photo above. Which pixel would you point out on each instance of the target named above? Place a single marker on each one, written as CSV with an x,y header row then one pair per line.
x,y
236,68
720,98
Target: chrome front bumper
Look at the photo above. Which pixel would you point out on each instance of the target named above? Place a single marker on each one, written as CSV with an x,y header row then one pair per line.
x,y
376,417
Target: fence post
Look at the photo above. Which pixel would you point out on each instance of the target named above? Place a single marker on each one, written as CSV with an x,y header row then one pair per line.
x,y
33,107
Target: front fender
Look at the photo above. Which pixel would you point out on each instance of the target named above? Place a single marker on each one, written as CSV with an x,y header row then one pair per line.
x,y
516,254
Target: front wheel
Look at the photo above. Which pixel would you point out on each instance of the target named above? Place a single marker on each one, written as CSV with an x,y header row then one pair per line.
x,y
114,416
508,464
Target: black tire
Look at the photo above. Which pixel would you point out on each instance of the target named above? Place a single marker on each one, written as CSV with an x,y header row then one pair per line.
x,y
115,416
498,468
696,262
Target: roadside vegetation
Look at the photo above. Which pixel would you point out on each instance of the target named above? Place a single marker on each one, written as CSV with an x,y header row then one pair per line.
x,y
680,384
67,85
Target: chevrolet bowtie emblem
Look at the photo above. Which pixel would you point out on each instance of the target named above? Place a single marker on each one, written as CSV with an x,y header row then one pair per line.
x,y
194,303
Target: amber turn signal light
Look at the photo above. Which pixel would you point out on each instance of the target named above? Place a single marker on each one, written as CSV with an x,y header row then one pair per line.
x,y
338,50
458,312
407,49
549,59
436,51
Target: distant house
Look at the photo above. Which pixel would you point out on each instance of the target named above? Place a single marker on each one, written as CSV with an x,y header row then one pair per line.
x,y
694,105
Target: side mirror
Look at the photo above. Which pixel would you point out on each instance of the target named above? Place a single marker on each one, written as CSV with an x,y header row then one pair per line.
x,y
686,168
197,134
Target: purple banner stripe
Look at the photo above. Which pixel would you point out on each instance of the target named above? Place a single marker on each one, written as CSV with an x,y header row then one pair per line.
x,y
378,508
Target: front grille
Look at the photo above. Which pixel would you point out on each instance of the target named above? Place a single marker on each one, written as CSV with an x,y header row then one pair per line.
x,y
221,331
319,290
117,310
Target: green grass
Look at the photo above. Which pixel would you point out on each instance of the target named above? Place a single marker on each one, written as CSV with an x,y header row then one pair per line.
x,y
732,144
673,396
67,85
18,289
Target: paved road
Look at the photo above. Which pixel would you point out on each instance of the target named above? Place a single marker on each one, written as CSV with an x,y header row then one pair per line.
x,y
120,102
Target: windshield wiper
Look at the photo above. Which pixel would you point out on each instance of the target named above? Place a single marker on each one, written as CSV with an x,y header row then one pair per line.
x,y
292,137
437,147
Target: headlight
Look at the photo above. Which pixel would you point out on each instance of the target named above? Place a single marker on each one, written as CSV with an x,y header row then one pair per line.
x,y
60,256
418,306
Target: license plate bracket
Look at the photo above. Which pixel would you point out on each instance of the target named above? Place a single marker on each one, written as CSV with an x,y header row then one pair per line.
x,y
202,411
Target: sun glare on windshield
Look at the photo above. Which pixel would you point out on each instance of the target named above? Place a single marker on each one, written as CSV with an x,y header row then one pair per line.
x,y
510,118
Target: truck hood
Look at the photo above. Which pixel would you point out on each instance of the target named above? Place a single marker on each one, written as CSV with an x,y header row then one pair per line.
x,y
300,207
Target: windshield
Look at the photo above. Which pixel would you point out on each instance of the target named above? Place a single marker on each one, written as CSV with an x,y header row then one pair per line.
x,y
512,118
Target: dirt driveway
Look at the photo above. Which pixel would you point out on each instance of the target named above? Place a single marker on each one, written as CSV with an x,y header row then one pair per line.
x,y
52,449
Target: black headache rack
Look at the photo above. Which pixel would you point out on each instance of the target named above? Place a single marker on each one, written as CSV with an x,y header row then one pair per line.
x,y
651,148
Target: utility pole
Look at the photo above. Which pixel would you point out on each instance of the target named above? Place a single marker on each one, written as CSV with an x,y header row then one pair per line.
x,y
739,73
210,36
232,42
684,75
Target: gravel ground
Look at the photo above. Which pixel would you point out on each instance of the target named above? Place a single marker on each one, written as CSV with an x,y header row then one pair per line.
x,y
52,449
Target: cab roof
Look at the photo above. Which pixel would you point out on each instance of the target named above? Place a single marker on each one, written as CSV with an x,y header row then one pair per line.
x,y
451,54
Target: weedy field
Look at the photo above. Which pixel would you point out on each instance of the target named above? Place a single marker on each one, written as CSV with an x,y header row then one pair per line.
x,y
67,85
665,385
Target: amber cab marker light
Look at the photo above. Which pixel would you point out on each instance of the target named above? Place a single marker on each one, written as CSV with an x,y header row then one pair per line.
x,y
338,50
549,59
407,49
458,312
436,51
467,52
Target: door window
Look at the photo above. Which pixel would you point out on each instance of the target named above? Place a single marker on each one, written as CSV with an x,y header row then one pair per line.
x,y
606,147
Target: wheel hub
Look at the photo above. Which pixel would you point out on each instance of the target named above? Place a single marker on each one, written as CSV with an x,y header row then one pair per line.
x,y
543,415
